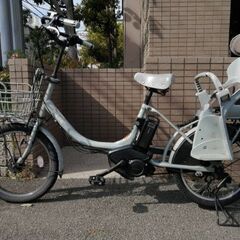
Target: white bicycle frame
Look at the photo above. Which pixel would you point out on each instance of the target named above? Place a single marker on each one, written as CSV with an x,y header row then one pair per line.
x,y
166,161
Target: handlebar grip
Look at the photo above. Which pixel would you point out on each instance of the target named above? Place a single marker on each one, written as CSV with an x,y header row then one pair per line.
x,y
87,44
75,39
69,22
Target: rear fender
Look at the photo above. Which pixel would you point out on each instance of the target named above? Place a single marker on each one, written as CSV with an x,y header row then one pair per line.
x,y
179,144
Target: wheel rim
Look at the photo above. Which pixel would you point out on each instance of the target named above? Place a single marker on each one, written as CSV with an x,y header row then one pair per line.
x,y
30,178
204,186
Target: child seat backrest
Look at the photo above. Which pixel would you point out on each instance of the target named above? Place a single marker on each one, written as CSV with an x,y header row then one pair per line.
x,y
233,73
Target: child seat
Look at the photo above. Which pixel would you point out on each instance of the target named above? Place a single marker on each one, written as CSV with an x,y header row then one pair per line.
x,y
211,140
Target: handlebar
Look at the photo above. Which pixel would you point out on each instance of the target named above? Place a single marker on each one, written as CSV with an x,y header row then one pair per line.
x,y
51,24
59,21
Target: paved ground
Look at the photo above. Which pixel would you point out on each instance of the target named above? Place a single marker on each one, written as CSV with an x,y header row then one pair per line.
x,y
145,209
82,165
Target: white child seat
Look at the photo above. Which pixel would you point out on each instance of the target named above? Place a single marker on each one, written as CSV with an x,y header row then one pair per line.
x,y
233,73
211,140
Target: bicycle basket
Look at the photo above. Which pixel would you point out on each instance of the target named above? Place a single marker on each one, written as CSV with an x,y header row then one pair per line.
x,y
19,100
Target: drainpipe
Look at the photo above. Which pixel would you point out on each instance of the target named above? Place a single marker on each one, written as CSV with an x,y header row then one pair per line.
x,y
0,53
17,24
5,30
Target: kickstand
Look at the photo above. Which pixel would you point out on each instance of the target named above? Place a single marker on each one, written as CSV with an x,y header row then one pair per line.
x,y
230,221
99,178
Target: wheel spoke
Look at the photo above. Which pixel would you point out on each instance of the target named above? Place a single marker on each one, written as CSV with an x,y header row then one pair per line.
x,y
202,189
28,181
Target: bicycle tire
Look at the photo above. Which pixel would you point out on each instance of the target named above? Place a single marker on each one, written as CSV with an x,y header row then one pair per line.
x,y
184,177
46,163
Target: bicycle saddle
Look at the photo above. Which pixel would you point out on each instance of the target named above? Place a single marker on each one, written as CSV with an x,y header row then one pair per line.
x,y
157,81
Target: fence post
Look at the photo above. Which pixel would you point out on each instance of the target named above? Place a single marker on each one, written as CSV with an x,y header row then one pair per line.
x,y
5,29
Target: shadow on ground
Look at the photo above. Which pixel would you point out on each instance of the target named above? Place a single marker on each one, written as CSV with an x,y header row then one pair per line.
x,y
163,190
154,190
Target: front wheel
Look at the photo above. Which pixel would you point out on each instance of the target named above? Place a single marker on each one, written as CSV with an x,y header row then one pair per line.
x,y
200,186
36,175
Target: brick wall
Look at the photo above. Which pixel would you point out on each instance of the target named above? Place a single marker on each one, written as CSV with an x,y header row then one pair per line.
x,y
102,103
186,27
21,71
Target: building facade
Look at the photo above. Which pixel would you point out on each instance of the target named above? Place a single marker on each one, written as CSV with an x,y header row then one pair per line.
x,y
186,28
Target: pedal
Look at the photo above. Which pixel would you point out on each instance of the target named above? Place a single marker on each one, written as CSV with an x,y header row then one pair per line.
x,y
97,180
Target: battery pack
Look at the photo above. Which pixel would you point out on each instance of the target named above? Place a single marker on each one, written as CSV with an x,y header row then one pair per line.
x,y
147,133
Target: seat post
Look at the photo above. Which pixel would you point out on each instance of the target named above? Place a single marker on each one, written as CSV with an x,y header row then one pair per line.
x,y
148,96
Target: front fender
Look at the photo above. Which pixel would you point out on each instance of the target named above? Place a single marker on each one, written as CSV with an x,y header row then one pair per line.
x,y
55,144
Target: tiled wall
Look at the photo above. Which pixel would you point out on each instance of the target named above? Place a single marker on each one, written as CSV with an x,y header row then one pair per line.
x,y
22,71
103,103
186,27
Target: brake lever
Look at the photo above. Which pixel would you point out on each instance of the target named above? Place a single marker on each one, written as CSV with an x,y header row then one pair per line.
x,y
53,29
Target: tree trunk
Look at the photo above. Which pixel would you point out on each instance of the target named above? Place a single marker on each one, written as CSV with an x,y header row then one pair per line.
x,y
110,49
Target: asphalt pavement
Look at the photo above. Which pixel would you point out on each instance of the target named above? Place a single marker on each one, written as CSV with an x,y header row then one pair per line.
x,y
147,208
144,209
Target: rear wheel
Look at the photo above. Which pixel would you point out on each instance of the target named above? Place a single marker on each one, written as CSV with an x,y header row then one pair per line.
x,y
200,186
36,176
